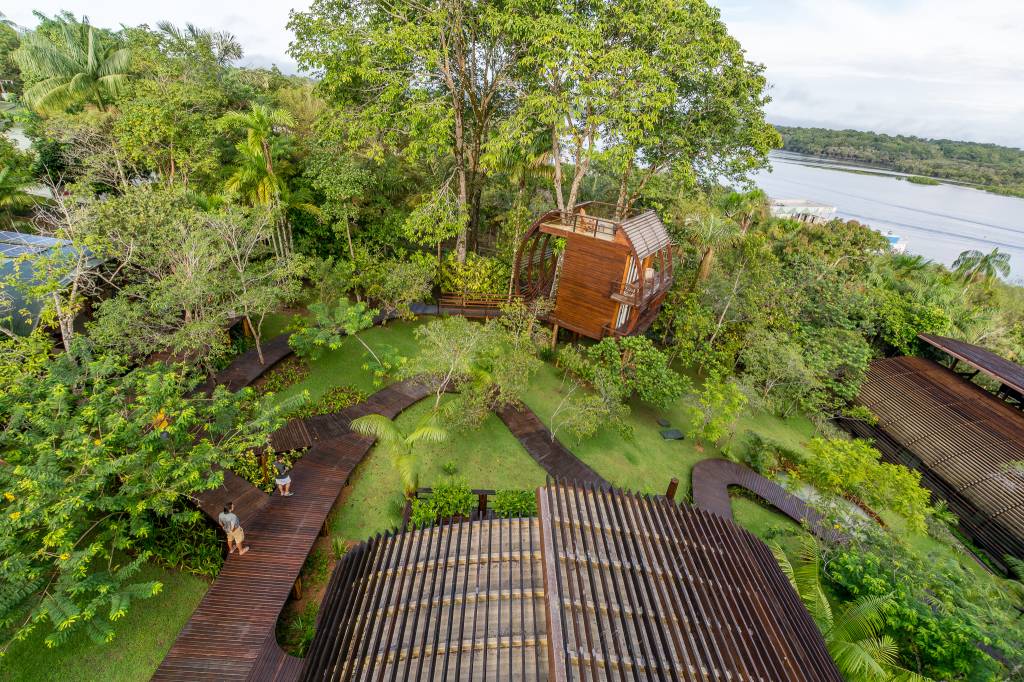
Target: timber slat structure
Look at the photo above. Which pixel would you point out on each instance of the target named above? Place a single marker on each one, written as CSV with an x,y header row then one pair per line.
x,y
964,441
1009,374
712,478
602,585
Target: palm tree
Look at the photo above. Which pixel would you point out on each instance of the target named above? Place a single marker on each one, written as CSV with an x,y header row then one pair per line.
x,y
745,208
709,232
401,447
975,266
255,177
853,634
84,66
221,45
13,197
261,123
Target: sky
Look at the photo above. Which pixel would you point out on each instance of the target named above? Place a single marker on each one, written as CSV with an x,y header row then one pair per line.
x,y
934,68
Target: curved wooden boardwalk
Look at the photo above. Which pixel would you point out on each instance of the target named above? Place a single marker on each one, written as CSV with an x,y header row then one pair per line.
x,y
549,452
231,635
710,481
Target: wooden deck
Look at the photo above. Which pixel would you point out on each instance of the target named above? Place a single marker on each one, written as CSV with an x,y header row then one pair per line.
x,y
556,459
710,481
231,635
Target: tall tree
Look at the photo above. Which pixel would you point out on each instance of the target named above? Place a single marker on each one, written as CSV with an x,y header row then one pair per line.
x,y
94,452
85,65
431,79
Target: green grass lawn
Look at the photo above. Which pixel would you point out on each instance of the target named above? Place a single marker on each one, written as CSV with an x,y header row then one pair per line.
x,y
646,462
144,636
489,458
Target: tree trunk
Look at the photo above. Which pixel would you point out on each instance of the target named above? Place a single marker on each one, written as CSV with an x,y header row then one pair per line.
x,y
704,270
255,337
556,156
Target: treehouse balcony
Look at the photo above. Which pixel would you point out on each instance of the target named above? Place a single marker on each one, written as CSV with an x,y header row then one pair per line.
x,y
607,273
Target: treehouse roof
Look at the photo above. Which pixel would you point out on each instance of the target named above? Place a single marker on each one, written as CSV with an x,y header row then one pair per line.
x,y
646,232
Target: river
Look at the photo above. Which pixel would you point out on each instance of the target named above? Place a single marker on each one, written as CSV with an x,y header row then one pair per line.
x,y
935,221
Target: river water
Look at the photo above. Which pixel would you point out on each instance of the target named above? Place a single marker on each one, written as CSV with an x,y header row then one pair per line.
x,y
935,221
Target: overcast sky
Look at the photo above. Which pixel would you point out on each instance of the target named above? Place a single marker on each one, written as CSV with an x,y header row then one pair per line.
x,y
936,68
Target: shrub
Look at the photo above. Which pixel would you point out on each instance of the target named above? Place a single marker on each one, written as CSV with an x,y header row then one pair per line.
x,y
840,467
764,455
317,566
450,468
449,498
248,467
339,546
187,542
300,629
478,275
336,399
511,504
453,497
286,373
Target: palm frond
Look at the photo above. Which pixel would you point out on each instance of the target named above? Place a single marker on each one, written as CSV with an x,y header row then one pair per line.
x,y
377,426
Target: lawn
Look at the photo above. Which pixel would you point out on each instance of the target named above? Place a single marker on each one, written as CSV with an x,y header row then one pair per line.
x,y
646,462
144,636
489,457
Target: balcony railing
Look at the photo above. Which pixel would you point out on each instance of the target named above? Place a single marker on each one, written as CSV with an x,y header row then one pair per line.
x,y
592,226
630,293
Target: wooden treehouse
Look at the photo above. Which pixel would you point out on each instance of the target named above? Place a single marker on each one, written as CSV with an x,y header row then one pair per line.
x,y
614,272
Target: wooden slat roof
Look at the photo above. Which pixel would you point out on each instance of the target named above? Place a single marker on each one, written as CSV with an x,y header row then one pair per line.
x,y
646,232
960,433
602,585
999,368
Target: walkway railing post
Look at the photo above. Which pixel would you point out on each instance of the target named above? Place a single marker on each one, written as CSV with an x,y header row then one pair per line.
x,y
671,492
481,506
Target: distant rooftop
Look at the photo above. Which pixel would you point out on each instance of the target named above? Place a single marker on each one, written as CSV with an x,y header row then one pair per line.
x,y
20,245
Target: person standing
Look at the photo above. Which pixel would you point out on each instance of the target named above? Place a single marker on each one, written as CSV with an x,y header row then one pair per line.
x,y
284,478
233,529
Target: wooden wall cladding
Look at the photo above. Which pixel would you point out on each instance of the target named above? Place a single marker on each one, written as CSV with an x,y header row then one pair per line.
x,y
589,268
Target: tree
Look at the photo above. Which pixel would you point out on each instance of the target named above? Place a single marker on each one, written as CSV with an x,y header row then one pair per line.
x,y
625,367
59,279
852,634
653,87
429,79
708,232
14,199
714,410
853,467
745,208
401,447
974,266
393,284
221,45
85,65
93,453
260,281
255,178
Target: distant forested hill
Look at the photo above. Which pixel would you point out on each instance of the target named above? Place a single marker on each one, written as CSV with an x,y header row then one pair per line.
x,y
989,166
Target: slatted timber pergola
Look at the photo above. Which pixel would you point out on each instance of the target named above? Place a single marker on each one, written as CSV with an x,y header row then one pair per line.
x,y
615,269
1008,374
965,441
601,585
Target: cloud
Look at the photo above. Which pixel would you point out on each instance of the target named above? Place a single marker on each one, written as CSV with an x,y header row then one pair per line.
x,y
260,25
937,68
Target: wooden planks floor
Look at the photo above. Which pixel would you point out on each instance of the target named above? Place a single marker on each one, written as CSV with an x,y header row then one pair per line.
x,y
231,634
